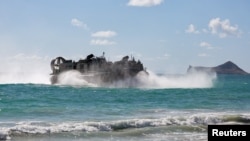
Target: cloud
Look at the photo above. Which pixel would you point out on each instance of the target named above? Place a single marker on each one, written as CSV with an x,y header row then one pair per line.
x,y
191,29
78,23
206,45
223,28
101,42
144,3
203,55
22,56
104,34
164,57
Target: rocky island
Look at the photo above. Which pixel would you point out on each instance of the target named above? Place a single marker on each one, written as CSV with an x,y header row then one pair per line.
x,y
226,68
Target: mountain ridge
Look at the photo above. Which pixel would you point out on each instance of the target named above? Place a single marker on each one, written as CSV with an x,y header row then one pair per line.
x,y
226,68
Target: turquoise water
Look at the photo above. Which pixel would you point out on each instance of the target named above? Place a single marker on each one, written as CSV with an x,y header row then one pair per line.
x,y
169,111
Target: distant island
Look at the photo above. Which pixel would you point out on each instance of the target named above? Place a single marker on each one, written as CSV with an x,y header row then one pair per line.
x,y
226,68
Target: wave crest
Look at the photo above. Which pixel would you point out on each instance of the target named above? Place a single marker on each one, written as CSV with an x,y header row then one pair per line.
x,y
197,120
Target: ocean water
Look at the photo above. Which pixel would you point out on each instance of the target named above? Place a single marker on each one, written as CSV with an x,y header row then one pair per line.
x,y
156,108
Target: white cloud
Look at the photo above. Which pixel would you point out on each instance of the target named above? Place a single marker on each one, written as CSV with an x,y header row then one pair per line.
x,y
22,56
191,29
144,3
101,42
223,28
104,34
163,57
203,55
206,45
78,23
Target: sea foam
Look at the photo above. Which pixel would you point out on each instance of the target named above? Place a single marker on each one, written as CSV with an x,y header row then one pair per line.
x,y
193,120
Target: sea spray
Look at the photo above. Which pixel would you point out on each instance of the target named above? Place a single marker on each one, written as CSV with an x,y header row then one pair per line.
x,y
189,80
25,69
74,78
24,78
142,80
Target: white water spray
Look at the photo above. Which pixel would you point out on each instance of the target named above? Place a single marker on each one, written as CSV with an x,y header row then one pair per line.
x,y
73,78
25,69
189,80
143,80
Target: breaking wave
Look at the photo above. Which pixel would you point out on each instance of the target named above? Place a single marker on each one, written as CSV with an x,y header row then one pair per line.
x,y
184,123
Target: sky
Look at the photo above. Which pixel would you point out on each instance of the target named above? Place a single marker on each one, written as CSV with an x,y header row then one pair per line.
x,y
165,35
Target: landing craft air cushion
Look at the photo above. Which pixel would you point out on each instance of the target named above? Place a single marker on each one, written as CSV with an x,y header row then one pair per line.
x,y
97,69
